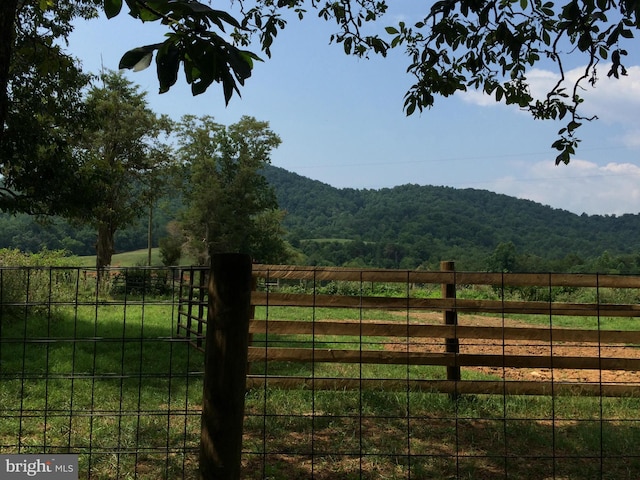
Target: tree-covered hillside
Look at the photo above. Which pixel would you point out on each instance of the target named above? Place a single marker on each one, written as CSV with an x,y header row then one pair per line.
x,y
408,226
411,225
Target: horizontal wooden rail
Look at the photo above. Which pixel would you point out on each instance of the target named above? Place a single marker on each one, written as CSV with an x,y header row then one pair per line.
x,y
471,387
292,272
320,355
397,329
442,304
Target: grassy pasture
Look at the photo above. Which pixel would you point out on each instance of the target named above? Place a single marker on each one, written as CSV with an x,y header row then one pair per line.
x,y
377,434
133,259
108,382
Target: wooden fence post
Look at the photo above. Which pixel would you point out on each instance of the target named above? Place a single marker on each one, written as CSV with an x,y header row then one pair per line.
x,y
225,367
451,318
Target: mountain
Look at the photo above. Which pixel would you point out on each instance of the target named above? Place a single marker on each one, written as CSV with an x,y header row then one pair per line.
x,y
408,226
412,225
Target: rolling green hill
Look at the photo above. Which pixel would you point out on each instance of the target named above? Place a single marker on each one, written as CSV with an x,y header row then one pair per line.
x,y
413,225
407,226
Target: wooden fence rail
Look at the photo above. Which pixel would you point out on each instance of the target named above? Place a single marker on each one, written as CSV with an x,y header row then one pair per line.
x,y
293,272
361,346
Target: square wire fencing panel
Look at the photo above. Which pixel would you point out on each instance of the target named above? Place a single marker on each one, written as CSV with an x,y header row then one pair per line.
x,y
419,375
91,365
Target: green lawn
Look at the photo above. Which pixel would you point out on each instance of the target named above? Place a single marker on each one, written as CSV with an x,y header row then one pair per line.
x,y
108,382
105,382
134,258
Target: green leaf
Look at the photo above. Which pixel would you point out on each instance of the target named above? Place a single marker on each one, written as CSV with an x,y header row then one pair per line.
x,y
147,15
626,33
604,53
199,87
523,4
134,8
584,42
240,64
573,125
46,5
167,63
228,86
137,57
392,30
112,7
348,43
224,16
410,104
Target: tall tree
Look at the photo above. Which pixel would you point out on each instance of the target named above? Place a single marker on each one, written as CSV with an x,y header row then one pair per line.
x,y
230,207
489,45
121,153
40,106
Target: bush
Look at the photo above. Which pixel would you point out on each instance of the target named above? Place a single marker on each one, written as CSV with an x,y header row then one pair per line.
x,y
28,281
170,250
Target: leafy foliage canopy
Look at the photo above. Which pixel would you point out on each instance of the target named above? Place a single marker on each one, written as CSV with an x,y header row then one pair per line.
x,y
488,45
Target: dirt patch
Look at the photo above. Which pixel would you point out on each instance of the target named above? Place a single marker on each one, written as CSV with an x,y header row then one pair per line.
x,y
528,347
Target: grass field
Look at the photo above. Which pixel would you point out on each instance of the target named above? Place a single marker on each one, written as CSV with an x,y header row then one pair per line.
x,y
133,258
108,381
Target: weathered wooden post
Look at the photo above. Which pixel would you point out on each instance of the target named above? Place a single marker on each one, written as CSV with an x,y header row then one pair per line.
x,y
451,318
225,367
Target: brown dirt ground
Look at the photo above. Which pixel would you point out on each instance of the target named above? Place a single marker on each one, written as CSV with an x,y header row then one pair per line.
x,y
524,347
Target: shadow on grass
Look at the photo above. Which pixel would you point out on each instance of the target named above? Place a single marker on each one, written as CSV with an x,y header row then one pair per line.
x,y
438,440
112,385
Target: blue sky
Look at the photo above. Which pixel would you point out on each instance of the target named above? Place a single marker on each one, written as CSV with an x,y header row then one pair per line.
x,y
341,120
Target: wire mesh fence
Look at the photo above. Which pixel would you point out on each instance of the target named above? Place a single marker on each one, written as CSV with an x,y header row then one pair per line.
x,y
350,376
351,373
91,365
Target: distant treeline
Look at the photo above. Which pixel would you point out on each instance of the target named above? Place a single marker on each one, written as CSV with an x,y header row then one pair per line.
x,y
409,226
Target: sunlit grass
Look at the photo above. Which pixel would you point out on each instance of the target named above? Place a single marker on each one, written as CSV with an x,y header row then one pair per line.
x,y
108,383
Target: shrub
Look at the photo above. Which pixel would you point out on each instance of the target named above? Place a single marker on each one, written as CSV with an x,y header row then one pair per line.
x,y
28,281
170,250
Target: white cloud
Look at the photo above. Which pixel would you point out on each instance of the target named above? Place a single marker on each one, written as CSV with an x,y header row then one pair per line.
x,y
615,102
605,99
580,187
478,97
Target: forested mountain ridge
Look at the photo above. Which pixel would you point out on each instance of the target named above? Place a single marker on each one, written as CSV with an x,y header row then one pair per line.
x,y
412,225
407,226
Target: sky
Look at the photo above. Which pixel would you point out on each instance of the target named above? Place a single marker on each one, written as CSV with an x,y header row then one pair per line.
x,y
341,119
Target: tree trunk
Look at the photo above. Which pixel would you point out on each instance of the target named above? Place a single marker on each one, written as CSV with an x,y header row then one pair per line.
x,y
8,9
104,247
